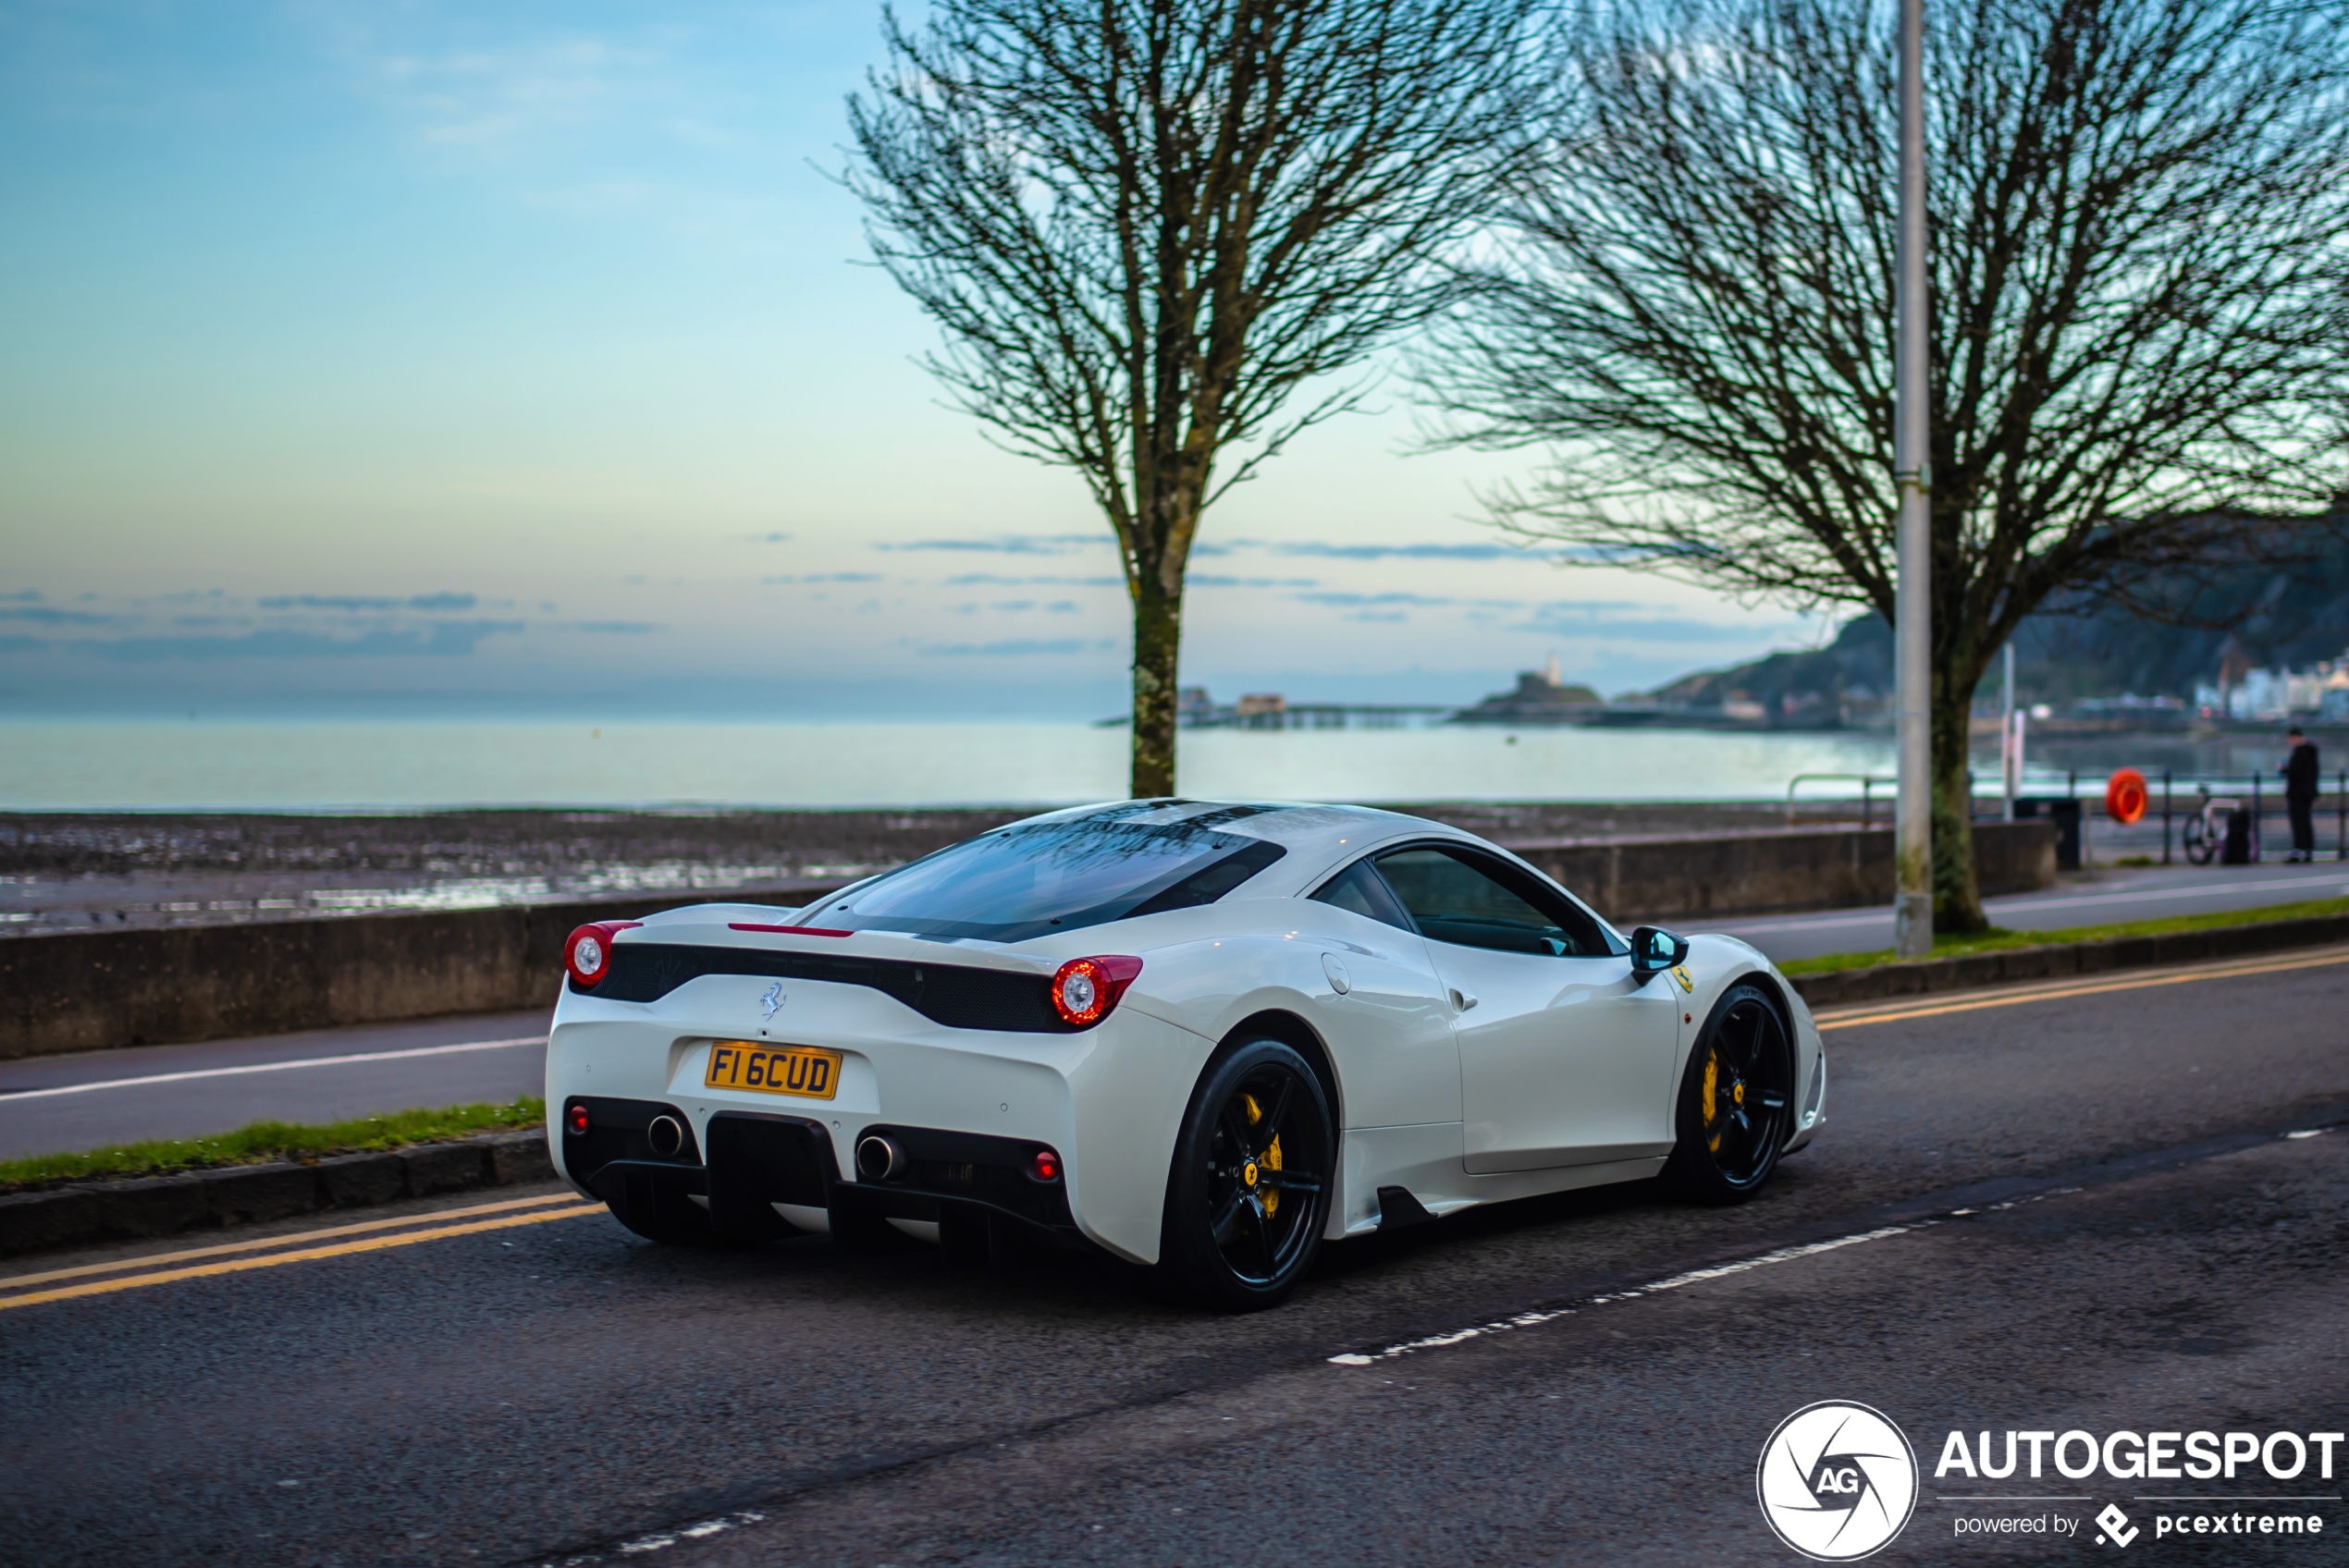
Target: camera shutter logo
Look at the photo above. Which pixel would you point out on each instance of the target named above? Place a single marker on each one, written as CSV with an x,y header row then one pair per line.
x,y
1837,1481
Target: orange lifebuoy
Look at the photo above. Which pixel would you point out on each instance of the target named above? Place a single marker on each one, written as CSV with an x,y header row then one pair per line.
x,y
2124,797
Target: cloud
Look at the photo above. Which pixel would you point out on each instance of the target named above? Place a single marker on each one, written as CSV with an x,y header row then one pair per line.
x,y
20,645
1398,552
41,615
26,597
770,538
442,639
497,98
356,603
1211,580
823,576
1568,619
1008,543
1017,647
1417,601
968,579
627,627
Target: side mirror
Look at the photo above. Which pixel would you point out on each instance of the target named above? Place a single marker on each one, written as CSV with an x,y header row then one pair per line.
x,y
1654,949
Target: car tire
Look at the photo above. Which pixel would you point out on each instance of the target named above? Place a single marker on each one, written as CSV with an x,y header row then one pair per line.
x,y
1735,1105
1254,1172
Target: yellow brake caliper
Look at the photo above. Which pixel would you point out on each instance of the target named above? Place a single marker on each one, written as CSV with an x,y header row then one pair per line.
x,y
1272,1156
1712,1088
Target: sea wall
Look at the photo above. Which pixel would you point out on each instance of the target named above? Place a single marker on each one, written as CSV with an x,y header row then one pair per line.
x,y
1630,880
104,989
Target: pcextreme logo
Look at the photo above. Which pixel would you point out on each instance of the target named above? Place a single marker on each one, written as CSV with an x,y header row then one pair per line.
x,y
1837,1481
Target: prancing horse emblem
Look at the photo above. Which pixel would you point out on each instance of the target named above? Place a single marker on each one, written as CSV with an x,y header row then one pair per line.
x,y
773,1001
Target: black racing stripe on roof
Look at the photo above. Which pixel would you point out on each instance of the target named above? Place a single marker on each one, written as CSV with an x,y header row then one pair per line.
x,y
958,996
1124,811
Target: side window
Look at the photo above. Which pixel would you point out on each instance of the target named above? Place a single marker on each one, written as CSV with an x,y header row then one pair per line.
x,y
1358,887
1462,898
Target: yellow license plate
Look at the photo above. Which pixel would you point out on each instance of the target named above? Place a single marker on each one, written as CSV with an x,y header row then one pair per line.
x,y
773,1069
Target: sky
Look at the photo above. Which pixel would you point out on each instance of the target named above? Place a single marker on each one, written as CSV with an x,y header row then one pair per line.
x,y
412,357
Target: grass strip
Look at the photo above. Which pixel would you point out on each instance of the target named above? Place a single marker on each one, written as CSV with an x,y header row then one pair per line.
x,y
264,1141
2000,940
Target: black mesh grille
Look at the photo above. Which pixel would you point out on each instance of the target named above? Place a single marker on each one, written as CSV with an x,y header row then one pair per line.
x,y
954,994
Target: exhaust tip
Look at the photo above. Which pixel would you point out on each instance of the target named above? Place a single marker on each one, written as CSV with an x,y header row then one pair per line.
x,y
879,1159
666,1135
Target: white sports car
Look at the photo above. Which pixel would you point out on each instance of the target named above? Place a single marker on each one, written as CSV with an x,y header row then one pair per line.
x,y
1203,1037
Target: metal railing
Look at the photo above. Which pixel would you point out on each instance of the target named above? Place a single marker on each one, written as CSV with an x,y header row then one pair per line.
x,y
1867,781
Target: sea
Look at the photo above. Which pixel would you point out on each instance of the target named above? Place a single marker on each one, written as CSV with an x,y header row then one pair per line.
x,y
201,765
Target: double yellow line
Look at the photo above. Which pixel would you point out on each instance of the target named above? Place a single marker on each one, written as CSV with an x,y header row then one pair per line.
x,y
1975,1002
132,1273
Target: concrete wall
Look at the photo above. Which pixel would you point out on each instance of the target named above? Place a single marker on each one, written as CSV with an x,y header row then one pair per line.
x,y
104,989
1683,879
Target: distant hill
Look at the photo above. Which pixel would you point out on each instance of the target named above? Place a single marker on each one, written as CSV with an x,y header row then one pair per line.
x,y
2292,617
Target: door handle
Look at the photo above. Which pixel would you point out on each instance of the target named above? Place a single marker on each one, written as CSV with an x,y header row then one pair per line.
x,y
1461,1000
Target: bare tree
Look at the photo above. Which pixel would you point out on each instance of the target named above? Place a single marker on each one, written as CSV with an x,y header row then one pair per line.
x,y
2139,210
1145,225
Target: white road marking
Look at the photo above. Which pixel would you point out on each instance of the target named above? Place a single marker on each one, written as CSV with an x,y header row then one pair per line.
x,y
1697,1276
1694,1276
268,1067
661,1540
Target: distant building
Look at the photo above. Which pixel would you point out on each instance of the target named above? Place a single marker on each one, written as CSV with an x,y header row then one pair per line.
x,y
1540,698
1256,702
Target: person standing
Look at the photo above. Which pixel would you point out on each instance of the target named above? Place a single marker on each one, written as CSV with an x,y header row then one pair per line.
x,y
2299,772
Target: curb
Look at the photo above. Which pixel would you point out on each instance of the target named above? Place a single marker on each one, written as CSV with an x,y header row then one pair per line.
x,y
246,1194
2058,960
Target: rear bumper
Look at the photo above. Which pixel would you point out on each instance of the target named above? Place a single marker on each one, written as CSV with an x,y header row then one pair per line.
x,y
1108,1100
761,1175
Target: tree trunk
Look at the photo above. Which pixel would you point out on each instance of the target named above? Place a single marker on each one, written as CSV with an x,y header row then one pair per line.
x,y
1158,648
1957,896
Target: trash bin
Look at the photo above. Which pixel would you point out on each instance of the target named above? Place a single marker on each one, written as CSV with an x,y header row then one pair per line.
x,y
2240,846
2065,810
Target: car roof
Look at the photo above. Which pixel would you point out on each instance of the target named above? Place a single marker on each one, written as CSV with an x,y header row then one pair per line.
x,y
1296,825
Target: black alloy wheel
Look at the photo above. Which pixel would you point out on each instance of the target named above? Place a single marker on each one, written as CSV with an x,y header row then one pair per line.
x,y
1737,1100
1254,1171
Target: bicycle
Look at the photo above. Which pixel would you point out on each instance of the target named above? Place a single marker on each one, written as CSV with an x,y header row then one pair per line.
x,y
2206,830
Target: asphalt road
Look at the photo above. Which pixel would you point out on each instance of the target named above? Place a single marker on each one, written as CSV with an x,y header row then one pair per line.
x,y
52,1104
2081,1211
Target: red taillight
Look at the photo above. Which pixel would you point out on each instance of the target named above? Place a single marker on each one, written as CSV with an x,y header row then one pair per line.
x,y
1044,1166
1085,988
587,952
575,1119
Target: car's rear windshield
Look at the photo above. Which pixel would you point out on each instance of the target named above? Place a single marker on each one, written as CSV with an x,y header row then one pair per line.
x,y
1021,882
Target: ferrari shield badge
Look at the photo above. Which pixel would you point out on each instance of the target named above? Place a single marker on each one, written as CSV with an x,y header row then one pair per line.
x,y
1680,972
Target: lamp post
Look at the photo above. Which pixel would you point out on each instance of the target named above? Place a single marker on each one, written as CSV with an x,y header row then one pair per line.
x,y
2010,752
1913,643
